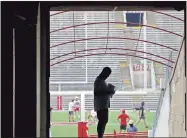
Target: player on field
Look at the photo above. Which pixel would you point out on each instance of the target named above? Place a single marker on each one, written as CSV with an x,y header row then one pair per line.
x,y
70,110
77,105
142,115
92,116
123,119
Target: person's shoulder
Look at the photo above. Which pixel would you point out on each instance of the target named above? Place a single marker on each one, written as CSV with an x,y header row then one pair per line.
x,y
97,79
135,128
119,115
125,116
128,129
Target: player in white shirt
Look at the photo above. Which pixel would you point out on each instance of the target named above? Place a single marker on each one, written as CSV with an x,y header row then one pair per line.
x,y
92,116
70,109
77,105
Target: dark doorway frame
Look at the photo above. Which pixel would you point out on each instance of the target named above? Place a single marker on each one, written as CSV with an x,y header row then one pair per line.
x,y
29,10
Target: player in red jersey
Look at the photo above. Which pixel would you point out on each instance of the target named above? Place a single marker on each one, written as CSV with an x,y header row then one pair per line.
x,y
123,118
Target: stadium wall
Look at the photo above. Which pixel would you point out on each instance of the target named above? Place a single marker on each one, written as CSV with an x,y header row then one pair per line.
x,y
177,96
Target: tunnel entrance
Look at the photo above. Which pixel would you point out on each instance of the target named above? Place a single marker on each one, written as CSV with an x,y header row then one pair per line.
x,y
31,22
140,47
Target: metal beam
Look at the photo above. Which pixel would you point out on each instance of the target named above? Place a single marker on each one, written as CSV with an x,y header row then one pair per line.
x,y
119,54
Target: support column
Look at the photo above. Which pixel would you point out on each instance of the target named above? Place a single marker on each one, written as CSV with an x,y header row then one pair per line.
x,y
131,72
153,77
14,66
38,51
43,72
86,44
185,54
145,50
6,70
25,79
82,107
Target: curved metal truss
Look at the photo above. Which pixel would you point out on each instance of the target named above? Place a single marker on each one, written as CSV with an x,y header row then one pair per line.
x,y
119,54
133,39
123,49
116,23
148,10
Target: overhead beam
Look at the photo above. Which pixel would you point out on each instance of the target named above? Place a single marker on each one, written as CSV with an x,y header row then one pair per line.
x,y
121,5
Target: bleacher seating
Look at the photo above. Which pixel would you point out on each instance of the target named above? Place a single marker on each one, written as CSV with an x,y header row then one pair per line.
x,y
84,70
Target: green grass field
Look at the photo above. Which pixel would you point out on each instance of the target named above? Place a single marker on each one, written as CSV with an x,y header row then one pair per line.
x,y
71,130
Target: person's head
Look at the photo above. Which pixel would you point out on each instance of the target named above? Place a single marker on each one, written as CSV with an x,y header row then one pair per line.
x,y
105,73
123,111
72,100
131,122
143,103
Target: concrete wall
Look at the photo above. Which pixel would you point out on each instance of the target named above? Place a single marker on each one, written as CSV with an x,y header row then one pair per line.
x,y
177,97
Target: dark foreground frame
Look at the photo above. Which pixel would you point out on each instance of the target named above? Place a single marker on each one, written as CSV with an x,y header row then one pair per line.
x,y
23,17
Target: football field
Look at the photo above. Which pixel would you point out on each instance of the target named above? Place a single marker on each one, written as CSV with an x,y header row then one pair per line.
x,y
62,128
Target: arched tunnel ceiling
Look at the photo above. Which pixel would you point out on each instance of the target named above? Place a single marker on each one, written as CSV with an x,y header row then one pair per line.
x,y
29,10
126,38
69,26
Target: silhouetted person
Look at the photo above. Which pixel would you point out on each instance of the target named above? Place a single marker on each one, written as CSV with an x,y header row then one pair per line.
x,y
102,94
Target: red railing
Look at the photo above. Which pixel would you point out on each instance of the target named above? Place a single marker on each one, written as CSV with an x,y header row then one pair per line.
x,y
114,38
148,10
121,49
93,38
92,23
119,54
